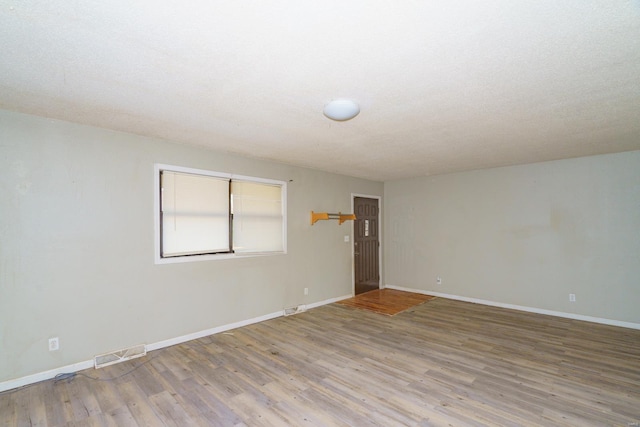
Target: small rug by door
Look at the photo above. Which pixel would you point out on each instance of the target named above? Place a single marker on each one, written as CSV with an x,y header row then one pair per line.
x,y
386,301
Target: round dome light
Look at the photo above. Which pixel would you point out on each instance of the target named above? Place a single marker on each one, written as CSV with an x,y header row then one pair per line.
x,y
341,110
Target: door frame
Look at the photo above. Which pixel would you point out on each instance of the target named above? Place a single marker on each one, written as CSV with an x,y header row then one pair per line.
x,y
353,238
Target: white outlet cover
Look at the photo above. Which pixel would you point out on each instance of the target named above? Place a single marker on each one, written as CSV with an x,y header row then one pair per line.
x,y
54,344
346,239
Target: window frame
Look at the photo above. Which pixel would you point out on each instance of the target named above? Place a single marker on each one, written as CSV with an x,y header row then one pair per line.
x,y
158,167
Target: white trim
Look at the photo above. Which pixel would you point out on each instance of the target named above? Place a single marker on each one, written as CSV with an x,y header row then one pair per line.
x,y
43,376
353,238
212,331
47,375
327,301
573,316
216,257
173,168
157,167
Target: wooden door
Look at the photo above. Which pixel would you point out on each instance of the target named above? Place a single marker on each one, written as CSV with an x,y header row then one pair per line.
x,y
366,245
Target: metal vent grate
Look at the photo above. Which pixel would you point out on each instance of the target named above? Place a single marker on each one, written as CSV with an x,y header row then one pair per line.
x,y
295,310
119,356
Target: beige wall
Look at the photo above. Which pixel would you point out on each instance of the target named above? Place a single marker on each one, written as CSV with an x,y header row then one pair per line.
x,y
77,238
524,235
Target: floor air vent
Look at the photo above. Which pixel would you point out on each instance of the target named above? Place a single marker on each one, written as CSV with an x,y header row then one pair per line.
x,y
295,310
119,356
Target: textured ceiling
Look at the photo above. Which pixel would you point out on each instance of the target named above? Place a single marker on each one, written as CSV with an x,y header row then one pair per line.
x,y
443,86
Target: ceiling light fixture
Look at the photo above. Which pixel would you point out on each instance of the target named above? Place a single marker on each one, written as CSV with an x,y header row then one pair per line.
x,y
341,110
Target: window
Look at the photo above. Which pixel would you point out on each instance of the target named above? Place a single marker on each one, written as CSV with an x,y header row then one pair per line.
x,y
208,215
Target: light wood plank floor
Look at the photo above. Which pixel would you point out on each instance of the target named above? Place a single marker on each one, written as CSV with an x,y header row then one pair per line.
x,y
442,363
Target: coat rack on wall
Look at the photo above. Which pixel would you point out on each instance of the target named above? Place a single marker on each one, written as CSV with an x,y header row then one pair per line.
x,y
317,216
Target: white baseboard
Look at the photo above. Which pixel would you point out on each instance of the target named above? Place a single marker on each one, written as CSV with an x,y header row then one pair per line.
x,y
47,375
212,331
328,301
522,308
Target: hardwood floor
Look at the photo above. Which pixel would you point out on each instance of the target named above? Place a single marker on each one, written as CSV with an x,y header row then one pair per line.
x,y
442,363
386,301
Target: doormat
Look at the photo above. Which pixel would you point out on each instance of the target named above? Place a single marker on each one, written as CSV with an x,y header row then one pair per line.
x,y
386,301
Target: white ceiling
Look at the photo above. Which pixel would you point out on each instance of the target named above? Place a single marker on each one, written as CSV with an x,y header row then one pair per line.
x,y
444,86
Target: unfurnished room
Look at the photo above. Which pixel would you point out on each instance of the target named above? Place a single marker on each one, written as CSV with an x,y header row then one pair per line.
x,y
338,213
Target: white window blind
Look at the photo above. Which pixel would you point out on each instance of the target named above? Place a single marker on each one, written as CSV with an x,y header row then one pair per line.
x,y
257,217
195,214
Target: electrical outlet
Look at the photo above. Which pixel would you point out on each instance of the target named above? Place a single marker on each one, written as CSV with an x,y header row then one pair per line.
x,y
306,291
439,280
346,238
572,297
54,344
